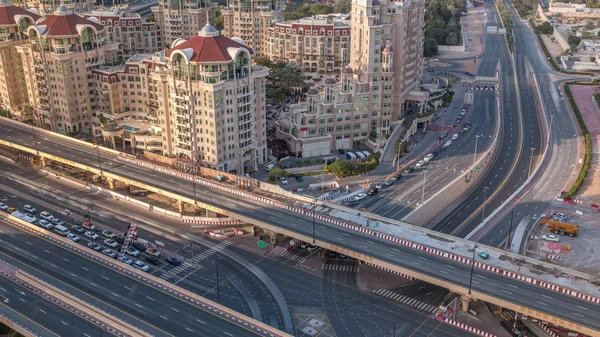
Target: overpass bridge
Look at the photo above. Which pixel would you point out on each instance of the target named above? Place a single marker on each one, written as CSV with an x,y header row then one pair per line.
x,y
557,295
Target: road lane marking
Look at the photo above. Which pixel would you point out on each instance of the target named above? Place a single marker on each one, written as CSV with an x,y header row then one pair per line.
x,y
106,278
53,265
115,295
163,317
84,268
370,242
480,276
64,259
506,291
228,334
513,286
363,246
415,263
188,329
584,308
95,285
388,254
444,272
150,298
546,296
449,266
576,314
423,258
126,287
139,306
542,303
200,321
174,309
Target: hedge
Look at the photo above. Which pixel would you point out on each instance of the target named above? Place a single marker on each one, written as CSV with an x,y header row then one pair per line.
x,y
588,144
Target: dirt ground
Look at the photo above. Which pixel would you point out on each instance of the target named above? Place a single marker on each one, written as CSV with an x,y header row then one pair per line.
x,y
554,48
581,253
473,28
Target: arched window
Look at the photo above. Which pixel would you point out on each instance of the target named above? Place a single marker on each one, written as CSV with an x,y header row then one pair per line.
x,y
87,38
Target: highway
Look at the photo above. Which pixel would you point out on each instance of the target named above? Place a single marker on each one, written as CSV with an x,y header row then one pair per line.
x,y
564,142
457,273
40,315
133,301
335,294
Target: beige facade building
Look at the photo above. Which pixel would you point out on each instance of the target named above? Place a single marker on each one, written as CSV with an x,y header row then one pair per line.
x,y
47,7
135,35
14,22
384,74
250,20
58,59
317,44
181,19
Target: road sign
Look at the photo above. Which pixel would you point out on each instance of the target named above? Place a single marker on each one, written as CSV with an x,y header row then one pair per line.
x,y
262,244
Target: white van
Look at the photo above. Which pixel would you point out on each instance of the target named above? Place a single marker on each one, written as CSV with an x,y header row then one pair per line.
x,y
61,230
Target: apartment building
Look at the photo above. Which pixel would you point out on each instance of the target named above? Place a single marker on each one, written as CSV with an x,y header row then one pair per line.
x,y
383,76
318,44
47,7
57,59
135,35
181,19
14,21
250,20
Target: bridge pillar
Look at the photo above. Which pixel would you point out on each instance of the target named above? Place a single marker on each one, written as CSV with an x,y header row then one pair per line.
x,y
111,184
43,161
465,300
211,214
181,206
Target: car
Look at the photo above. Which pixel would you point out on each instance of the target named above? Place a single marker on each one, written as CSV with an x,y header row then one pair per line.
x,y
454,137
88,226
108,234
378,184
304,245
398,176
94,246
11,209
409,169
120,239
331,254
132,251
372,191
91,235
447,143
457,123
341,151
126,260
559,216
284,180
110,253
174,261
463,111
3,206
459,118
111,243
269,167
73,237
45,224
153,259
428,157
360,196
420,163
29,209
153,251
141,266
58,222
312,248
444,134
467,127
78,228
484,255
551,238
342,256
139,246
389,182
299,179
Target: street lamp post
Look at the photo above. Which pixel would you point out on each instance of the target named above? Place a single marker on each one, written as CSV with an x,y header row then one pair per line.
x,y
472,268
218,286
510,229
475,153
194,180
99,161
485,189
34,140
423,193
314,218
530,161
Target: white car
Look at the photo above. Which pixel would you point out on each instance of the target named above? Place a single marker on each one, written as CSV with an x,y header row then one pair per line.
x,y
126,260
463,112
91,235
420,163
3,206
45,224
29,209
428,157
447,143
132,251
284,180
58,222
111,243
454,137
559,216
72,236
46,216
551,238
312,248
141,266
360,196
269,167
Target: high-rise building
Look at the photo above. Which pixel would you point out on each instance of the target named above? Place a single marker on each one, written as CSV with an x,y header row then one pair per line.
x,y
13,89
250,20
58,59
47,7
181,18
316,44
383,76
216,103
135,35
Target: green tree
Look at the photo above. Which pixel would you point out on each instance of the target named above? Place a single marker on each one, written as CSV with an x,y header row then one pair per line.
x,y
285,73
430,47
589,25
452,39
545,28
321,9
264,61
342,6
573,41
277,172
341,168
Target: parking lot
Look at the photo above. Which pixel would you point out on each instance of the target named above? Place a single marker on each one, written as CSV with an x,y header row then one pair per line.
x,y
580,252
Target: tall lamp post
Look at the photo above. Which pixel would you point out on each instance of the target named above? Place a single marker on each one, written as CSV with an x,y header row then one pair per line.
x,y
99,161
472,268
485,189
510,229
314,218
475,153
423,193
34,140
530,160
194,179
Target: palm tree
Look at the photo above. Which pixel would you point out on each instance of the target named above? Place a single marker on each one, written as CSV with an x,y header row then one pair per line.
x,y
28,114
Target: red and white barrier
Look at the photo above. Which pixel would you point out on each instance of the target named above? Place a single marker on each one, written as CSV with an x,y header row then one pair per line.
x,y
466,327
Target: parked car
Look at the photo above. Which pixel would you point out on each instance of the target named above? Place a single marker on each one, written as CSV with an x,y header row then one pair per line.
x,y
174,261
111,243
409,169
91,235
360,196
73,237
559,216
341,151
463,112
454,137
371,191
45,224
126,260
11,209
378,185
94,246
284,180
131,251
153,259
428,157
331,254
58,222
484,255
299,178
389,182
420,163
108,234
398,176
153,251
29,209
78,228
312,248
550,237
141,266
110,253
457,123
447,143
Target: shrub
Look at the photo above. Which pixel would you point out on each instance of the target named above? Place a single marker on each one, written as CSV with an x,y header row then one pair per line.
x,y
308,162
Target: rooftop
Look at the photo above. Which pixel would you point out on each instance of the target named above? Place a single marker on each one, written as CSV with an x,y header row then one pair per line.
x,y
10,14
64,23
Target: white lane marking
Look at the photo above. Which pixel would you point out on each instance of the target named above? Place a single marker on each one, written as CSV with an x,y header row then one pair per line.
x,y
513,286
415,263
53,265
481,276
106,278
163,317
506,291
150,298
444,272
370,242
388,254
200,321
95,285
546,296
576,314
64,259
174,309
228,334
42,311
139,306
188,329
363,246
542,303
584,308
126,287
64,323
84,268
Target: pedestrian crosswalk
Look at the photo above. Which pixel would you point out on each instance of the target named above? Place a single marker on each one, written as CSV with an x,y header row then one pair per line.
x,y
193,263
406,300
290,256
341,267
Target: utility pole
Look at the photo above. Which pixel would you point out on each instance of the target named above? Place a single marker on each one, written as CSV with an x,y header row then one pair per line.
x,y
218,289
510,229
472,267
34,140
194,180
475,153
530,161
314,218
485,189
423,193
99,161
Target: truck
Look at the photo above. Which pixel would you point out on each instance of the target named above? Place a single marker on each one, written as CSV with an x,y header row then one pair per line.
x,y
561,227
350,155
